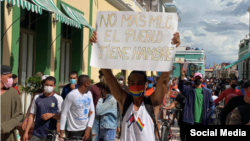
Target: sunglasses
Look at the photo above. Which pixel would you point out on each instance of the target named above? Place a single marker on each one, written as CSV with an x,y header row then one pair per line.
x,y
149,81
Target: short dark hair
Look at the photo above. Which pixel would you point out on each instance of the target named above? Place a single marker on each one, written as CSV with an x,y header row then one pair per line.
x,y
50,78
14,76
139,72
100,72
233,79
82,79
73,73
104,85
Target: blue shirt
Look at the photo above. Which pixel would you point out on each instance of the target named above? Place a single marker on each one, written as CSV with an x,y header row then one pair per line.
x,y
41,105
66,90
242,90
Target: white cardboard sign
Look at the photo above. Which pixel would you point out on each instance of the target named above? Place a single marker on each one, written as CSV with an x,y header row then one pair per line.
x,y
134,41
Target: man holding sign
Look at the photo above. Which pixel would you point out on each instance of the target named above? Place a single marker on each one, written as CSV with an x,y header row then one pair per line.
x,y
137,124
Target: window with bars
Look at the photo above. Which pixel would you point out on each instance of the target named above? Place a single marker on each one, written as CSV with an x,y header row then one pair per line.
x,y
65,54
26,66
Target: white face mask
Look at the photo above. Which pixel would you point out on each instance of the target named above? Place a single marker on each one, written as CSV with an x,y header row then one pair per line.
x,y
48,89
120,82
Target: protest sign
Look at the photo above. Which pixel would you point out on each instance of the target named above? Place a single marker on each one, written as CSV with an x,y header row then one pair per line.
x,y
134,41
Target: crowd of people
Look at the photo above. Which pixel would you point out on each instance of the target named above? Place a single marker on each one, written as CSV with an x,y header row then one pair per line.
x,y
110,108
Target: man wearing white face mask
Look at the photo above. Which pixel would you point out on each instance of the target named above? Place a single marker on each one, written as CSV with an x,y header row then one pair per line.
x,y
121,82
47,109
11,106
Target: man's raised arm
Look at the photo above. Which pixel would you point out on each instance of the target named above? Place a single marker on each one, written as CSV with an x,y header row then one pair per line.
x,y
161,86
161,89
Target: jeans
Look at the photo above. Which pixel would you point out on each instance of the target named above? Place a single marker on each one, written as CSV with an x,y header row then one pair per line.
x,y
107,134
95,129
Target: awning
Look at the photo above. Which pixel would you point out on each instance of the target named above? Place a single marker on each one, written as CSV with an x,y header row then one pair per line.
x,y
243,58
49,5
25,4
76,16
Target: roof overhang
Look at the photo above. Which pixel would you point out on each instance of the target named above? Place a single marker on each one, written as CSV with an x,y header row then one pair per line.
x,y
49,5
75,15
121,5
166,1
171,9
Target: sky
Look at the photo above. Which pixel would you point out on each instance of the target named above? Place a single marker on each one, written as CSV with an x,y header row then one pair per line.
x,y
217,26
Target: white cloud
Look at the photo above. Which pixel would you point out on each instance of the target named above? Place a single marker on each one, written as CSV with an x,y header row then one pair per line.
x,y
217,33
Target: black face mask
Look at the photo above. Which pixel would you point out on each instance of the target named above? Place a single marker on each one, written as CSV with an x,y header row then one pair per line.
x,y
197,82
233,86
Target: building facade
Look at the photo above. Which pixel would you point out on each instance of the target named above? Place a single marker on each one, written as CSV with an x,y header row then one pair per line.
x,y
195,58
244,53
217,67
225,70
52,37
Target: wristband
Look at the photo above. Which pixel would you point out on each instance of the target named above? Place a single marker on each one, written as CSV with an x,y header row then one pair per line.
x,y
25,119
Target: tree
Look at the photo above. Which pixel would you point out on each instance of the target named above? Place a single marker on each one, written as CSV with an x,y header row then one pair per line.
x,y
118,74
33,83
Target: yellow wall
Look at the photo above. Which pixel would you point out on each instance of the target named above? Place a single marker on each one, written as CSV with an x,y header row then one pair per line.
x,y
53,47
8,36
133,5
84,6
154,72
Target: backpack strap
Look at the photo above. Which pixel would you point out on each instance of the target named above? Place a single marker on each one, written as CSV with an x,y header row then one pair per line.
x,y
150,110
126,105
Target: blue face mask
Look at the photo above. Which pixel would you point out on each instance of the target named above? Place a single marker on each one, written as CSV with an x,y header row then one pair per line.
x,y
150,85
72,81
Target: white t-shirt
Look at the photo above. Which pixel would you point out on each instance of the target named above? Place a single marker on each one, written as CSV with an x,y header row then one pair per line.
x,y
137,125
75,110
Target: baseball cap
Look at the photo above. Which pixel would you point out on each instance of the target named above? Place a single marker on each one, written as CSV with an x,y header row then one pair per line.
x,y
121,77
197,74
5,70
44,77
150,79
